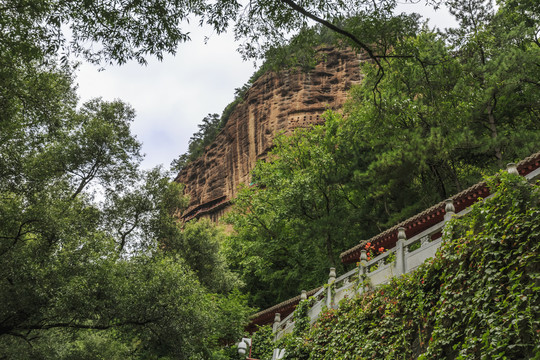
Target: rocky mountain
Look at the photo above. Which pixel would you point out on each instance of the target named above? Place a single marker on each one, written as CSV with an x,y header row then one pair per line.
x,y
277,102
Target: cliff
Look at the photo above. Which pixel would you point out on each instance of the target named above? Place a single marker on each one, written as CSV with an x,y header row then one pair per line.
x,y
277,102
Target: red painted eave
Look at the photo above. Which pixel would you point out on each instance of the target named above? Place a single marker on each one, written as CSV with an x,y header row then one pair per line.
x,y
388,238
435,214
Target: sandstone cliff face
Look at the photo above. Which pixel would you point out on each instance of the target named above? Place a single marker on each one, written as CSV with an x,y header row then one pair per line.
x,y
276,102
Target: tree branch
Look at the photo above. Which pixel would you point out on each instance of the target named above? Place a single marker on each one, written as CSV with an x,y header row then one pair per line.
x,y
17,237
86,179
70,325
124,235
341,31
333,27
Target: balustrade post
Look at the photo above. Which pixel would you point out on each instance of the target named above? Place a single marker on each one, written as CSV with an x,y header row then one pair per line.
x,y
331,279
362,268
277,320
449,209
303,295
511,168
400,252
363,262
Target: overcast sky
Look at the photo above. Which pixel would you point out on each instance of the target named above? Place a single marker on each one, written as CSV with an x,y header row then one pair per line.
x,y
172,96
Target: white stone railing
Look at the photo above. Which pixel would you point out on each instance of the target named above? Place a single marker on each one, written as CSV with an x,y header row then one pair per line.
x,y
405,257
409,254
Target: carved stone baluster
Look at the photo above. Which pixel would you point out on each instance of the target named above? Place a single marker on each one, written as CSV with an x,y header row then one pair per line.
x,y
449,209
363,262
332,275
277,320
362,269
331,279
400,252
511,168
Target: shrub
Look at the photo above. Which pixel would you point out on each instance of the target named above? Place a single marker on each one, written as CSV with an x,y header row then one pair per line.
x,y
478,298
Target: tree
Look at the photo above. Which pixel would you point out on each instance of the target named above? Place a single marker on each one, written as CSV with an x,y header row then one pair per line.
x,y
466,106
82,232
298,215
129,30
430,134
199,244
82,262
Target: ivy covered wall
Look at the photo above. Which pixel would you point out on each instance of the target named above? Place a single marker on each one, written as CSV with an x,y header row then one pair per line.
x,y
479,298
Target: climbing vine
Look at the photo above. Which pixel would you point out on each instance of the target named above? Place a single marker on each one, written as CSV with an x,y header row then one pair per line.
x,y
301,317
478,298
263,343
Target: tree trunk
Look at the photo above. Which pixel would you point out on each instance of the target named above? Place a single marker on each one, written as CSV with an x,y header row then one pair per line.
x,y
493,128
330,250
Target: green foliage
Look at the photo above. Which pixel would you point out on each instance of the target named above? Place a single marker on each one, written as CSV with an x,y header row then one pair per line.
x,y
444,118
478,298
112,31
199,244
82,270
291,226
124,30
373,23
496,260
231,317
301,318
263,343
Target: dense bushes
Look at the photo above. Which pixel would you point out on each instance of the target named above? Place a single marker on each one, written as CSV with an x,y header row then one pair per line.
x,y
429,128
478,298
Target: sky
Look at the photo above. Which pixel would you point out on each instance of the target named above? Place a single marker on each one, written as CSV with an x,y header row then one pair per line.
x,y
172,96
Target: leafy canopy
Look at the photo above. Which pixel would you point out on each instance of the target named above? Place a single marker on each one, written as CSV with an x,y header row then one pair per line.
x,y
119,31
441,119
478,298
83,269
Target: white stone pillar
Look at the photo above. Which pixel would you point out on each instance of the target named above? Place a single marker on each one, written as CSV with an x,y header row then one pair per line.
x,y
362,270
331,279
277,320
363,263
449,209
401,267
511,168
